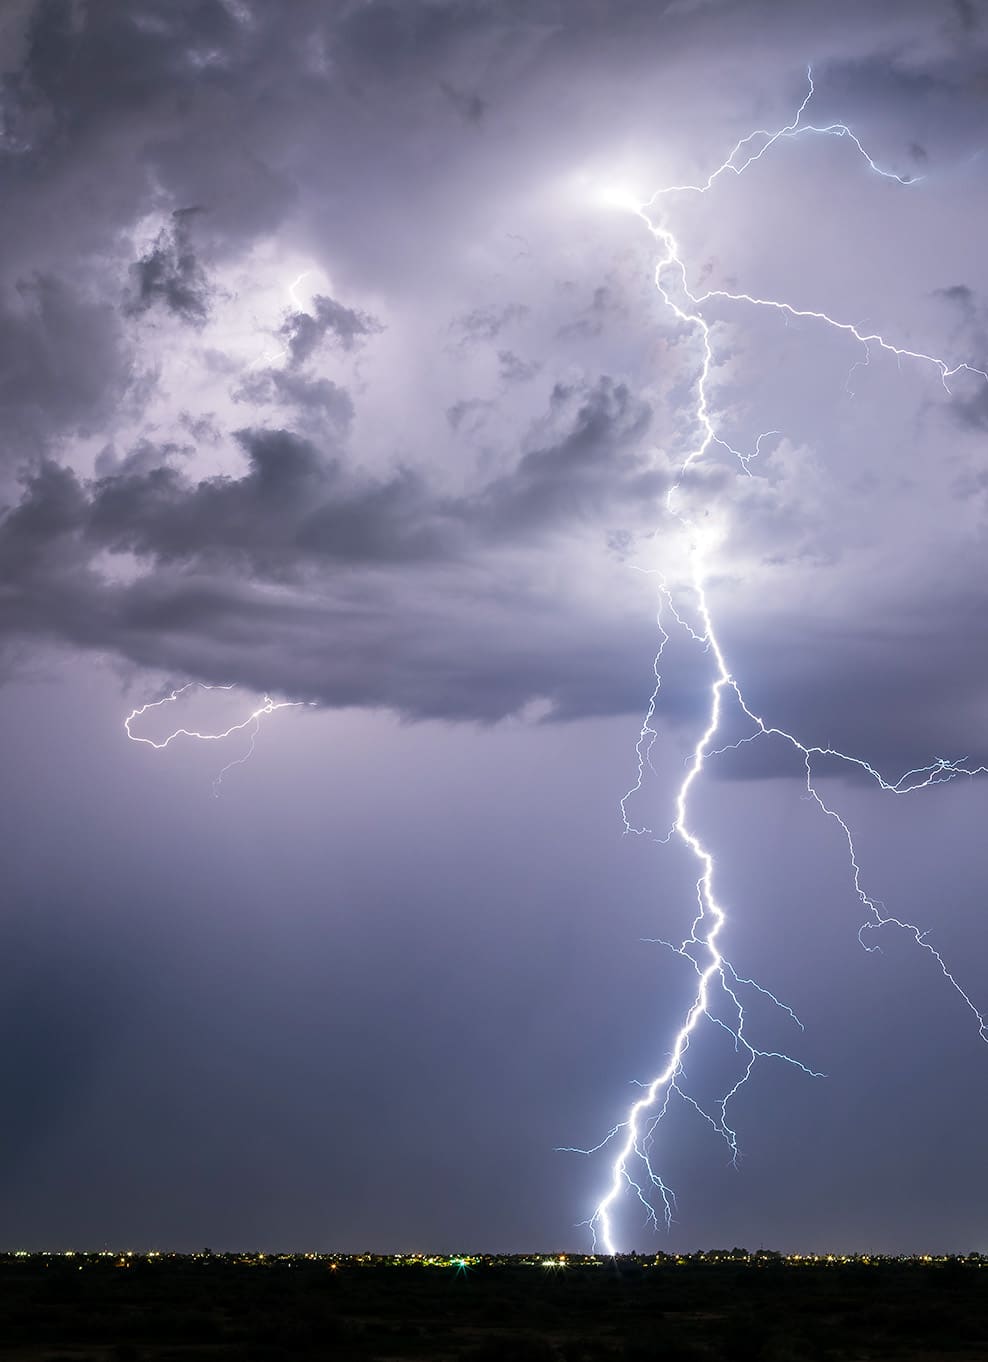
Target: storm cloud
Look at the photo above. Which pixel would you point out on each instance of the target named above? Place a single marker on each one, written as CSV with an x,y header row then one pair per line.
x,y
308,236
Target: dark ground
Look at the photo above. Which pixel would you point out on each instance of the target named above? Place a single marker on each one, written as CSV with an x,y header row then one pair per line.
x,y
761,1308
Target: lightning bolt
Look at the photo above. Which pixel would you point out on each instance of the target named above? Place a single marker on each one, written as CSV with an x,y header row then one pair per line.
x,y
251,725
718,997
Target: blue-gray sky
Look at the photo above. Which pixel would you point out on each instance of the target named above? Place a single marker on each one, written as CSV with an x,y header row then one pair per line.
x,y
327,371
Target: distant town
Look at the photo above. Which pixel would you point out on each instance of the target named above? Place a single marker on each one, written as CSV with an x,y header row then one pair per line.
x,y
461,1262
720,1305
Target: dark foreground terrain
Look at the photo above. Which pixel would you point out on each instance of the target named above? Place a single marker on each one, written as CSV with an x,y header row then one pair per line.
x,y
290,1308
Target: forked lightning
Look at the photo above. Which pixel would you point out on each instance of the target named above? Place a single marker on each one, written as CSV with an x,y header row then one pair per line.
x,y
719,990
251,725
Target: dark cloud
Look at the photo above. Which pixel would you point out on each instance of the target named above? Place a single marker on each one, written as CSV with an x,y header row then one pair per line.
x,y
362,558
487,323
171,275
604,305
347,327
470,107
293,504
959,294
62,365
970,405
95,65
296,502
325,136
596,465
972,412
473,408
968,14
830,679
314,401
514,369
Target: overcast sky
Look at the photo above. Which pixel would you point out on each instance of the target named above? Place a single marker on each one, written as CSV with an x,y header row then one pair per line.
x,y
329,370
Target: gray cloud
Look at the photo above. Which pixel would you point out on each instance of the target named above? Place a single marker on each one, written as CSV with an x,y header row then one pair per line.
x,y
315,402
170,274
514,369
326,135
62,365
470,107
305,331
486,323
973,411
366,564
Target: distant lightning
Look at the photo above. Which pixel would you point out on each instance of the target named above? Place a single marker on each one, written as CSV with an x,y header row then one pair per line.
x,y
718,998
251,725
293,287
270,357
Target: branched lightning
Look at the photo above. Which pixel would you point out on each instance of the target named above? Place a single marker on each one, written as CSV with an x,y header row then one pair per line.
x,y
251,725
718,998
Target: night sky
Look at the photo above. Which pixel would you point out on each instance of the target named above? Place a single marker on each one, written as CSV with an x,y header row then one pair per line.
x,y
329,371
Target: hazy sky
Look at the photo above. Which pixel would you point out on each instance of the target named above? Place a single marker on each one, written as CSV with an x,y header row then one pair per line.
x,y
329,371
